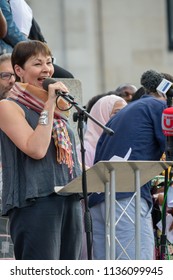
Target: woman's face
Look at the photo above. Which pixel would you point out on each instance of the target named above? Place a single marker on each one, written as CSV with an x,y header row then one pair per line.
x,y
35,70
118,106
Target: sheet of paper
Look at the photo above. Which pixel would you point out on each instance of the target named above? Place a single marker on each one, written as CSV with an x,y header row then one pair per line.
x,y
58,188
117,158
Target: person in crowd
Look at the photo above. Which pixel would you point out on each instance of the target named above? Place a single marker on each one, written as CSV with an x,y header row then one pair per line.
x,y
93,100
102,111
126,91
13,35
163,199
7,80
27,24
167,76
39,153
162,215
24,21
136,126
22,26
7,76
3,24
140,92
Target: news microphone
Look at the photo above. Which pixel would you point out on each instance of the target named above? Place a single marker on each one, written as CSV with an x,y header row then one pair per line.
x,y
150,80
49,81
167,121
167,128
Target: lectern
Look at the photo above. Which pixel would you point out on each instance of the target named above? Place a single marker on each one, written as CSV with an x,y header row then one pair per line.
x,y
117,176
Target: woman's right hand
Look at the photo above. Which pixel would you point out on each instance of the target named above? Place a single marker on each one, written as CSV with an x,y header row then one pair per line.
x,y
53,91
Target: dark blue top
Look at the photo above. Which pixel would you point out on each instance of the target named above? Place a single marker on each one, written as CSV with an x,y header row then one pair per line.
x,y
136,126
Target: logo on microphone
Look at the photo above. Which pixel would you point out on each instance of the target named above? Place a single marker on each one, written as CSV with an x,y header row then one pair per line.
x,y
167,123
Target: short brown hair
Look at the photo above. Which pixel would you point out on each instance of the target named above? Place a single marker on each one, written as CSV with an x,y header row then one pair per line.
x,y
25,49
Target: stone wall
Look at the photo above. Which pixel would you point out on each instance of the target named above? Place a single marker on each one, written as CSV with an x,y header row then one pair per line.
x,y
106,42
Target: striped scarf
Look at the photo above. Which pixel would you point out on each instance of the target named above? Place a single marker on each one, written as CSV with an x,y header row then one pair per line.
x,y
34,98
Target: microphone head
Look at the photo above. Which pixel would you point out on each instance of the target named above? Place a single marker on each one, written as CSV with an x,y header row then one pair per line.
x,y
167,121
150,80
62,104
47,82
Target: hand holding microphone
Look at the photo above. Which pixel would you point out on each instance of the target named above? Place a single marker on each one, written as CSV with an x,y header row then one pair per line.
x,y
60,92
63,98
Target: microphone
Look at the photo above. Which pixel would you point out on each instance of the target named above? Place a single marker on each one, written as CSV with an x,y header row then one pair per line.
x,y
67,97
150,80
49,81
167,121
167,128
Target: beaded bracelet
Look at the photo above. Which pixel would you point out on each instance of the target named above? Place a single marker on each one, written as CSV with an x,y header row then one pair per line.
x,y
43,119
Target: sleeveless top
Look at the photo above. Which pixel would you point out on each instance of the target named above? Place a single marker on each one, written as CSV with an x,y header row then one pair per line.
x,y
25,178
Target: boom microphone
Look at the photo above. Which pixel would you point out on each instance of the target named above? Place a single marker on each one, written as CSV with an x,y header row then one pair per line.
x,y
167,128
150,80
49,81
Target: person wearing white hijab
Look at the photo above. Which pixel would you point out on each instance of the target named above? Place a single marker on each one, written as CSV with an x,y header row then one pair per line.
x,y
102,111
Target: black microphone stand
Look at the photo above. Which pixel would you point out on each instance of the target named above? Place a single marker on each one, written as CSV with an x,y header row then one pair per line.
x,y
163,237
80,116
169,157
